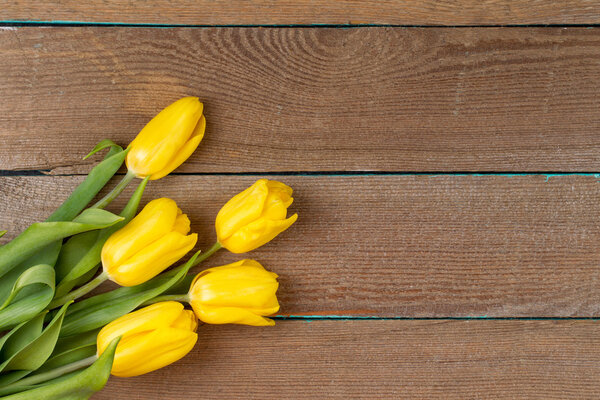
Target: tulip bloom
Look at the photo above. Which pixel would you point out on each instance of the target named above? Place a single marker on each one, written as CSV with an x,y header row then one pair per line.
x,y
254,216
167,140
238,293
151,338
148,244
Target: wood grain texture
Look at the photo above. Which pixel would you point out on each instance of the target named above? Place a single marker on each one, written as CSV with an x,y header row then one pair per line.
x,y
408,246
265,12
381,360
283,99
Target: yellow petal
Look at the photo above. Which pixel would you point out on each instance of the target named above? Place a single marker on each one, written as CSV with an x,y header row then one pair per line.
x,y
185,152
182,224
235,265
156,219
152,350
152,259
256,234
247,262
164,137
276,206
187,321
279,186
236,288
241,210
230,315
143,320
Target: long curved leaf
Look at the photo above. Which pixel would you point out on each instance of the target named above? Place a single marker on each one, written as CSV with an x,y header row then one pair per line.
x,y
93,183
31,293
34,354
77,386
75,248
41,234
37,275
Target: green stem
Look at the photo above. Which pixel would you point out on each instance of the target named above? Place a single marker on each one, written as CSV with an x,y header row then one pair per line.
x,y
203,256
77,293
103,202
53,373
184,298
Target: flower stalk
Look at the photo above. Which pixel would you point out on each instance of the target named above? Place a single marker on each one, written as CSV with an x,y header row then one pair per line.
x,y
116,191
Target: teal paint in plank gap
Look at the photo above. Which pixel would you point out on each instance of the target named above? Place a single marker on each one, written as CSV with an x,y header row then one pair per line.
x,y
468,318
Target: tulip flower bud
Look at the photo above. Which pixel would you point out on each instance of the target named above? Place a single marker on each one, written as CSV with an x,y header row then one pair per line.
x,y
238,293
151,338
254,216
167,140
148,244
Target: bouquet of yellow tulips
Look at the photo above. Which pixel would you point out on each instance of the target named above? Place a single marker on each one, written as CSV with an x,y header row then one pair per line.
x,y
56,345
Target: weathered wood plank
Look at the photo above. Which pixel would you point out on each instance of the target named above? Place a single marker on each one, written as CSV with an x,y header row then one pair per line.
x,y
281,99
381,360
264,12
414,246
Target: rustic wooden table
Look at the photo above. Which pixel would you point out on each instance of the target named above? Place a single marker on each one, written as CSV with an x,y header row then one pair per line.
x,y
444,157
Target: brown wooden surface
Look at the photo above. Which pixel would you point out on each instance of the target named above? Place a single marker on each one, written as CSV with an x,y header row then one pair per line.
x,y
381,360
410,246
265,12
318,99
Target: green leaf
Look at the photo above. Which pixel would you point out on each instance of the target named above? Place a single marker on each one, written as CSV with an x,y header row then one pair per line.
x,y
93,183
9,377
20,336
42,234
2,233
65,345
34,354
99,310
39,274
35,299
31,293
66,351
72,251
67,286
82,253
182,286
67,358
103,144
77,386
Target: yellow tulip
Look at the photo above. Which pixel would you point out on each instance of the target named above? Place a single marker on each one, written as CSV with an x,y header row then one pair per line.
x,y
151,338
167,140
148,244
238,293
254,216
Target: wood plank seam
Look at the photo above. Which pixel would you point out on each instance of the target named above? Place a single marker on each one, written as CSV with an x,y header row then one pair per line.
x,y
25,23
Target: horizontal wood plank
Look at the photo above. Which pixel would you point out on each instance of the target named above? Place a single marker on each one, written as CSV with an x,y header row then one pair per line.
x,y
389,246
264,12
292,99
381,360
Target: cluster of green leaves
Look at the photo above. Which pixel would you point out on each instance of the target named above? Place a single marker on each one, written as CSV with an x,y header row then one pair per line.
x,y
51,354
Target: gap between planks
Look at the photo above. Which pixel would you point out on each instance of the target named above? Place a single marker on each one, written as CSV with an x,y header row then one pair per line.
x,y
307,12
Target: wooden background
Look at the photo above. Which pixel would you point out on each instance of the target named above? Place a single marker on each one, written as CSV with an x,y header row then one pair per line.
x,y
444,157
